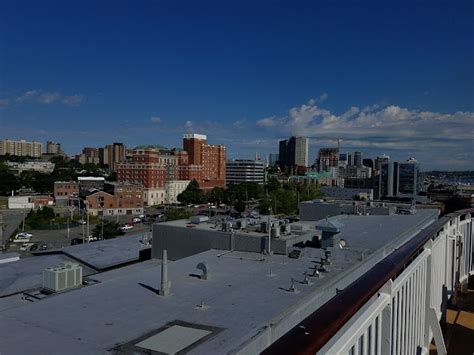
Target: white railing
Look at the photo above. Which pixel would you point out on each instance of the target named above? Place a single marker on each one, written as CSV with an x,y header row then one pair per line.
x,y
403,317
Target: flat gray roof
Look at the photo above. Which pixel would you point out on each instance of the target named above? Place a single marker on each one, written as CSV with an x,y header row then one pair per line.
x,y
107,253
246,295
26,273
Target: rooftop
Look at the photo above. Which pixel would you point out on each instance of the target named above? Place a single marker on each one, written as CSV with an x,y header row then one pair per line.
x,y
246,300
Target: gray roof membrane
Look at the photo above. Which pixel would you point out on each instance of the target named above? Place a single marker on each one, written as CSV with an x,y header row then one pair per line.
x,y
246,295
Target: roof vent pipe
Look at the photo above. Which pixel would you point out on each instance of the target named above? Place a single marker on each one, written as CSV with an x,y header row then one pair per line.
x,y
165,289
205,270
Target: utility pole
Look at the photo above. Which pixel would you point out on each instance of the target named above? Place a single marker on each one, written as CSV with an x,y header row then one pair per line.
x,y
88,227
24,208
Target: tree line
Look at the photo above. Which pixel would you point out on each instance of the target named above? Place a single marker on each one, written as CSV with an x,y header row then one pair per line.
x,y
273,196
64,170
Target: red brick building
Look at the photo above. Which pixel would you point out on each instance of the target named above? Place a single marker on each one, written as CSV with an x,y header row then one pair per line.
x,y
116,199
148,167
163,172
211,159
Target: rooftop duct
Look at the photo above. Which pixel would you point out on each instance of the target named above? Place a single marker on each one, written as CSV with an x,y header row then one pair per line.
x,y
205,270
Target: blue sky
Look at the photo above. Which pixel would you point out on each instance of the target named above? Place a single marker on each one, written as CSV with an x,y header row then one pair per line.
x,y
386,77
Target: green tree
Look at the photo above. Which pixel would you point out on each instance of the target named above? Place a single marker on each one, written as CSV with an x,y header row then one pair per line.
x,y
173,214
192,194
8,181
273,184
239,206
111,230
112,176
216,195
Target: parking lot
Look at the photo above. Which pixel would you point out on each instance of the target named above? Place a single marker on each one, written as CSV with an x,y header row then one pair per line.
x,y
58,238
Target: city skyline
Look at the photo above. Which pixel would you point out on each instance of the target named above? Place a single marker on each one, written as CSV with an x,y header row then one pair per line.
x,y
395,80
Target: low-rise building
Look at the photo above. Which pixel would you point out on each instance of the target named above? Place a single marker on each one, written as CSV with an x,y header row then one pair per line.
x,y
167,194
116,199
45,167
65,189
91,182
29,201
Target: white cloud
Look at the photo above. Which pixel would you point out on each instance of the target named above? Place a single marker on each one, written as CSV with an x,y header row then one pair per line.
x,y
27,96
431,135
73,100
239,124
268,122
48,98
155,119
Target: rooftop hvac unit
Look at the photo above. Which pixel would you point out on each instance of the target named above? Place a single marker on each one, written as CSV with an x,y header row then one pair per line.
x,y
241,223
227,227
285,229
275,232
199,219
62,277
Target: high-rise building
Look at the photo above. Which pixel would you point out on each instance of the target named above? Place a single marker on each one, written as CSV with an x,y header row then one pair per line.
x,y
399,179
89,155
21,148
379,161
408,178
293,153
342,160
368,162
53,147
159,171
273,159
209,158
112,154
243,170
358,159
327,158
149,168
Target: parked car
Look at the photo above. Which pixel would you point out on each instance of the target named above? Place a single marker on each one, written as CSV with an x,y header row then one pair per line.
x,y
91,238
141,216
22,237
34,247
81,221
26,246
76,241
137,220
126,227
43,247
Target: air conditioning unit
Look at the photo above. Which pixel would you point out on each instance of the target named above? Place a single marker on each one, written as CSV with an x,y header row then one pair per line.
x,y
62,277
275,232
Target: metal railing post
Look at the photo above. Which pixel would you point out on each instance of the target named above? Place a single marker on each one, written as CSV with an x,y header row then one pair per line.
x,y
427,337
385,333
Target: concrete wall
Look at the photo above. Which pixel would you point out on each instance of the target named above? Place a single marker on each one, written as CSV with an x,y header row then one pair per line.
x,y
314,211
181,242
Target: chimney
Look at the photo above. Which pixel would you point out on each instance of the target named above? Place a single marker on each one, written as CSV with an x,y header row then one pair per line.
x,y
165,289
